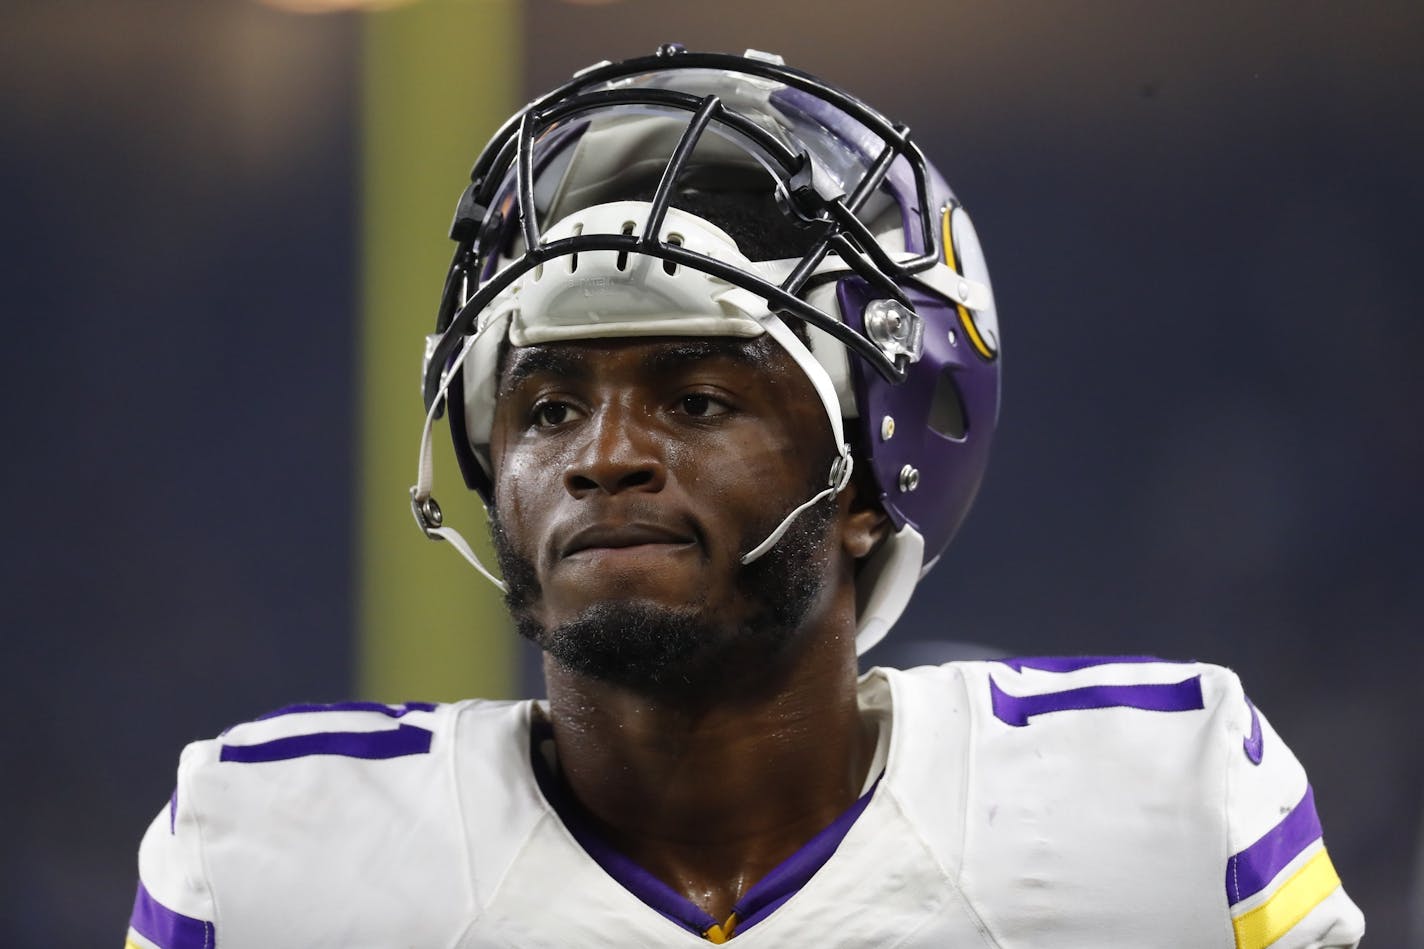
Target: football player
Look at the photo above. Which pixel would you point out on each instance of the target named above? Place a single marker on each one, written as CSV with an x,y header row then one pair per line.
x,y
718,350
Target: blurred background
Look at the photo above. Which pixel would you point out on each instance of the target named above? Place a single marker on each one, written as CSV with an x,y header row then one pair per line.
x,y
224,239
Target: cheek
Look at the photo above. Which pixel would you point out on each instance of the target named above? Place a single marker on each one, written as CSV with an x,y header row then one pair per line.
x,y
782,458
755,478
524,480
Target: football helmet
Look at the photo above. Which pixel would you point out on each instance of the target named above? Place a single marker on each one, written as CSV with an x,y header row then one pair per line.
x,y
585,217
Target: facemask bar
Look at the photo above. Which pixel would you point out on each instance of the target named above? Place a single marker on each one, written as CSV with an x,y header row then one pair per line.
x,y
485,182
462,324
843,231
474,224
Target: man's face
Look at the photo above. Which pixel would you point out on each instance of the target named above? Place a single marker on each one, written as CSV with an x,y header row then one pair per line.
x,y
631,476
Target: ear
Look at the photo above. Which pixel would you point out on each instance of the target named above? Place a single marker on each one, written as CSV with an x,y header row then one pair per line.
x,y
863,523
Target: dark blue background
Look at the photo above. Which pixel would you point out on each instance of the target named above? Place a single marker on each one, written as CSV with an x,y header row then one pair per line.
x,y
1203,227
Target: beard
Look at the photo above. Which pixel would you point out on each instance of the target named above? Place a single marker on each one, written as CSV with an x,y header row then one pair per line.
x,y
657,648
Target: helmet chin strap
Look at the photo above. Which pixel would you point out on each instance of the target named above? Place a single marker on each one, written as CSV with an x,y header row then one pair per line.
x,y
840,477
428,516
843,465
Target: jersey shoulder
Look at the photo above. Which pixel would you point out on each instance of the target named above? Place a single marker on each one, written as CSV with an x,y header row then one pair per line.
x,y
364,730
1073,698
310,764
327,817
1129,782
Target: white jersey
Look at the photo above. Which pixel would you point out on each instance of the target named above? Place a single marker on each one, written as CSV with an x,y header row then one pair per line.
x,y
1024,804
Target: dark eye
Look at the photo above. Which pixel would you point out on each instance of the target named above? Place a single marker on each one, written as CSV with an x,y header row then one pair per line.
x,y
702,405
551,413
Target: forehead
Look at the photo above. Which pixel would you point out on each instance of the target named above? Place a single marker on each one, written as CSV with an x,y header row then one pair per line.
x,y
583,359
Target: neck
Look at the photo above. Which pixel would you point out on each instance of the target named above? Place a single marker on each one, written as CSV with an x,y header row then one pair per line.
x,y
710,791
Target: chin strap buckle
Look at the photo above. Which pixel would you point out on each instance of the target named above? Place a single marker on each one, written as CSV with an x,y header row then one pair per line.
x,y
428,516
841,470
430,520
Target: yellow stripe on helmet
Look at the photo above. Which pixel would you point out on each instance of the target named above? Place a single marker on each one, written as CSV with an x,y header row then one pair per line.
x,y
965,318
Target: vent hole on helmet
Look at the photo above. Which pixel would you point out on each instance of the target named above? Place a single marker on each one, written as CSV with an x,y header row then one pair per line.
x,y
669,266
947,408
573,258
622,262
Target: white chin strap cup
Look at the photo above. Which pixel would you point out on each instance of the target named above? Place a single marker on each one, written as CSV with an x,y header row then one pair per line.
x,y
890,574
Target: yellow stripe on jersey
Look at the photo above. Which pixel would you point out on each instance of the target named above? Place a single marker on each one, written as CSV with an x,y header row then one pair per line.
x,y
130,944
719,934
1296,897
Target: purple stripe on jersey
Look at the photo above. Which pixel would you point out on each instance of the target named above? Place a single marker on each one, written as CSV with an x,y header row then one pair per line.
x,y
790,875
1252,870
623,869
1016,710
1073,663
403,740
1253,743
390,711
778,886
160,925
642,884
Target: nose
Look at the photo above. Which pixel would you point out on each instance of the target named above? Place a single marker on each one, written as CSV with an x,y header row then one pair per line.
x,y
620,453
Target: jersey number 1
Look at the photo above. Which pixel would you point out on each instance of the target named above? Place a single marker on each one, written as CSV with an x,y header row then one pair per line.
x,y
1016,710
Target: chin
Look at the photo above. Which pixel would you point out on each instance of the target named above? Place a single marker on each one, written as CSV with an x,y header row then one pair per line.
x,y
643,644
654,620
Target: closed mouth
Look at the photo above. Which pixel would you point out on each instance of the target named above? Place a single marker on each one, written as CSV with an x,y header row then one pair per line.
x,y
622,536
